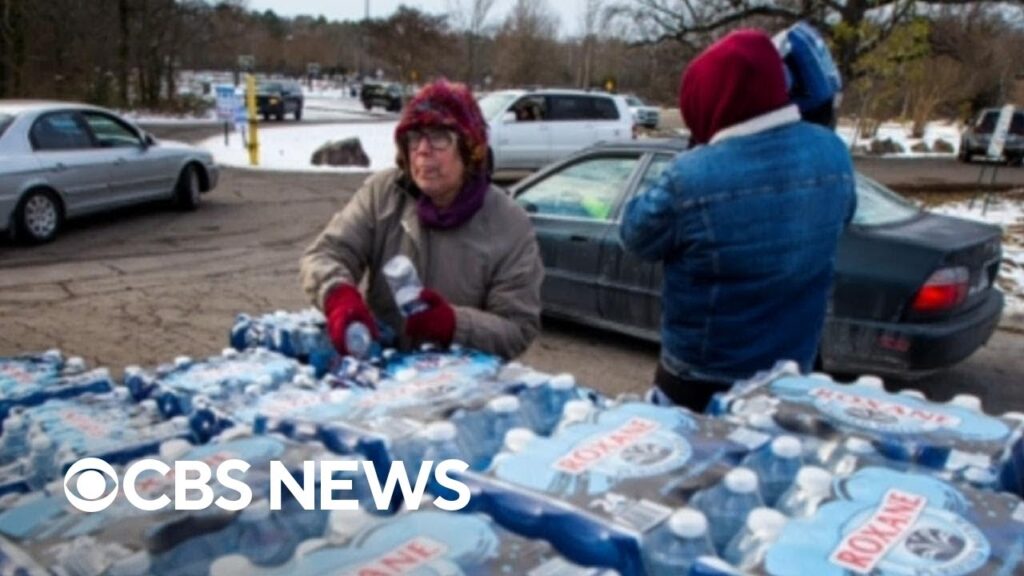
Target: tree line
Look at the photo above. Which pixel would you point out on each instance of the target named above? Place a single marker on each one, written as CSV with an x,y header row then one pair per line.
x,y
900,58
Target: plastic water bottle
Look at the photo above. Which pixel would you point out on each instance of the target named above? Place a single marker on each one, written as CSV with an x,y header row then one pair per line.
x,y
813,485
728,503
969,401
544,403
42,460
575,412
748,548
776,465
501,415
14,441
440,442
673,547
516,440
358,340
851,455
401,276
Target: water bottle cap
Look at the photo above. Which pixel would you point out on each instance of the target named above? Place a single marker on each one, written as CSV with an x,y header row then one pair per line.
x,y
40,442
976,475
787,447
741,480
870,382
229,352
820,376
814,479
14,421
765,521
858,446
577,409
132,370
180,361
688,523
562,382
264,381
75,364
504,404
150,405
280,314
969,401
1019,416
440,431
913,393
253,390
517,439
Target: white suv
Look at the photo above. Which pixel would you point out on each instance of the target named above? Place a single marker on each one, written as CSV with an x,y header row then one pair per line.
x,y
529,129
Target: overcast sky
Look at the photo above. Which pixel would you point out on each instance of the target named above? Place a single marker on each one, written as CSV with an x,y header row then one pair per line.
x,y
570,11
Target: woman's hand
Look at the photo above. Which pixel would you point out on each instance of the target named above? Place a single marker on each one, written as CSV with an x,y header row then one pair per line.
x,y
343,306
436,324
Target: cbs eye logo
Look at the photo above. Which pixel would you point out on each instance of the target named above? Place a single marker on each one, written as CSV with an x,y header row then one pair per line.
x,y
89,492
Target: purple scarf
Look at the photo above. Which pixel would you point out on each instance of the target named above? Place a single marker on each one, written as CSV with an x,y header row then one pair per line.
x,y
466,204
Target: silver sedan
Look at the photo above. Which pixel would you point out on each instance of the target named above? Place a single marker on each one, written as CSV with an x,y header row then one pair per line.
x,y
60,160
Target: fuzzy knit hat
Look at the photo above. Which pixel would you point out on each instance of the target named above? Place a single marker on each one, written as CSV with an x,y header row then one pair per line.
x,y
449,105
737,78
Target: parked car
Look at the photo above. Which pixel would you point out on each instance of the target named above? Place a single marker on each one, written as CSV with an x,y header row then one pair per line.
x,y
279,98
913,291
976,138
529,129
389,96
643,115
64,160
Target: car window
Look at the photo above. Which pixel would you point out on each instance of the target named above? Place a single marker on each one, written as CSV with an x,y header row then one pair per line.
x,y
1017,124
605,109
109,131
59,131
987,122
5,121
587,189
530,109
633,101
494,104
268,88
654,170
878,205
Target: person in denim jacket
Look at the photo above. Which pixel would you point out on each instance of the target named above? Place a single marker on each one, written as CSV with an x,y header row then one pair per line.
x,y
746,224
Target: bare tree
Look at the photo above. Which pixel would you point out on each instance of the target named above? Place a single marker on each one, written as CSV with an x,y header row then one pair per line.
x,y
859,25
526,43
471,17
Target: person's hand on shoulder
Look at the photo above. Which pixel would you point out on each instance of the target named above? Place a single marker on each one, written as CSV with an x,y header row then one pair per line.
x,y
436,324
343,306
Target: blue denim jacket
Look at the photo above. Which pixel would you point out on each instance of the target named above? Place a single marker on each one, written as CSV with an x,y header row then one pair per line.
x,y
747,229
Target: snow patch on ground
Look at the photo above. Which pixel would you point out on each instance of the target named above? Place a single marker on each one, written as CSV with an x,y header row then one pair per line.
x,y
290,148
1007,211
900,132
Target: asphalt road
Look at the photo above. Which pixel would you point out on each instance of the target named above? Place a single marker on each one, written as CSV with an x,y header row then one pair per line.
x,y
147,284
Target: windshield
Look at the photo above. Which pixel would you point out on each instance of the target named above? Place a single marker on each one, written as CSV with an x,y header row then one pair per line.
x,y
5,121
494,104
633,101
878,205
269,88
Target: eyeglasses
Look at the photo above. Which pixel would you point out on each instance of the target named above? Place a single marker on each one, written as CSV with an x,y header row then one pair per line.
x,y
439,139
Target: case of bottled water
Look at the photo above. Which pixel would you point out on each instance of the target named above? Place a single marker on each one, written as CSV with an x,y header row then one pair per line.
x,y
426,541
40,531
886,522
215,385
601,483
32,379
956,439
58,432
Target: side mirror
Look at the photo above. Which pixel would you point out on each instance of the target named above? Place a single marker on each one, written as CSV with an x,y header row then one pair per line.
x,y
147,140
508,118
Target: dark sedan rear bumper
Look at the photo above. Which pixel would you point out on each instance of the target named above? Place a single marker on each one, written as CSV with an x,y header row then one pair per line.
x,y
908,350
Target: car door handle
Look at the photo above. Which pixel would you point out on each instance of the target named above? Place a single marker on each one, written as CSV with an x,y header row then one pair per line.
x,y
120,161
59,167
578,238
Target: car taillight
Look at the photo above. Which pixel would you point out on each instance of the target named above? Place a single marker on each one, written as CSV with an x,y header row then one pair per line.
x,y
945,289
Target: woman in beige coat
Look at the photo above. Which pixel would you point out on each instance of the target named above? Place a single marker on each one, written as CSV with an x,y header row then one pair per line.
x,y
473,247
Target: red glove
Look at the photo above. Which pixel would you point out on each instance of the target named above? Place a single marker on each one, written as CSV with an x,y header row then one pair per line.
x,y
344,305
436,324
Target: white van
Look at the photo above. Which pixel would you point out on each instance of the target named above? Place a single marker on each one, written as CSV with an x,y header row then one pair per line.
x,y
530,129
